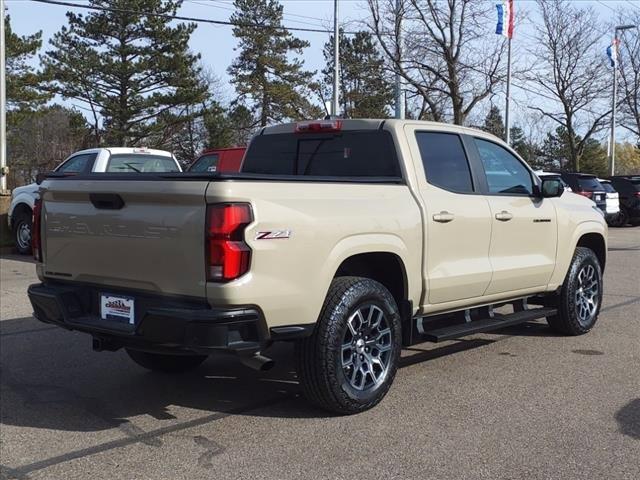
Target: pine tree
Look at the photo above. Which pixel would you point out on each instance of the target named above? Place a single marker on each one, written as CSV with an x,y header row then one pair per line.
x,y
128,68
23,85
528,150
365,88
266,78
493,122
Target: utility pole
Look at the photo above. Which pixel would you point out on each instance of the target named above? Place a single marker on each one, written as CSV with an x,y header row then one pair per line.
x,y
3,105
400,106
335,101
614,60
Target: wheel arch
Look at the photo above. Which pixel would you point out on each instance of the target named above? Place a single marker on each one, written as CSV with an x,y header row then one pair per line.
x,y
384,267
596,243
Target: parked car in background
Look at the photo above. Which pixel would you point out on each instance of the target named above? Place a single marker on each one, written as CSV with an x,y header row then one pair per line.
x,y
628,188
588,186
219,160
612,214
114,160
542,174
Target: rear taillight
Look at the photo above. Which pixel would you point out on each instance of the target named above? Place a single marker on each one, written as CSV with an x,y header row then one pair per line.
x,y
585,193
228,255
637,194
36,239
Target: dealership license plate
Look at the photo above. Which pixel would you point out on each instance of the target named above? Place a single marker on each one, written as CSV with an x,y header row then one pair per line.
x,y
117,308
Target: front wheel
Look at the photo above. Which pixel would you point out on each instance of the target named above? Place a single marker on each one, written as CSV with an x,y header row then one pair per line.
x,y
580,297
22,233
348,364
159,362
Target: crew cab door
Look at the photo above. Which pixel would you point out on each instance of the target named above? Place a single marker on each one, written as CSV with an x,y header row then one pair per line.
x,y
523,226
457,219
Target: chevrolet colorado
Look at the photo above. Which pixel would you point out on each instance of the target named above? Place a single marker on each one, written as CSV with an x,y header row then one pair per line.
x,y
351,238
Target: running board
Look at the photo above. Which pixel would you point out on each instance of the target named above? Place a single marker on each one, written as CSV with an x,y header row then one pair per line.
x,y
496,322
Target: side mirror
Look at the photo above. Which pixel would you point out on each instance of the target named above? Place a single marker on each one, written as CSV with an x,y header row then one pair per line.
x,y
40,178
552,187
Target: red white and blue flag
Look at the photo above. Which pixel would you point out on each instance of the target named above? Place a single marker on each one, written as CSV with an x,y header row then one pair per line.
x,y
612,52
506,18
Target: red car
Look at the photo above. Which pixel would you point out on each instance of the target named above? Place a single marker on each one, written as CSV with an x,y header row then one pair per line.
x,y
219,160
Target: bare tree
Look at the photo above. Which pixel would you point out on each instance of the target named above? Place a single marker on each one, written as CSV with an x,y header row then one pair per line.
x,y
446,58
630,73
569,70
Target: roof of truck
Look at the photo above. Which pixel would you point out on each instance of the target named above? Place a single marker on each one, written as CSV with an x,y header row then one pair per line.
x,y
373,124
136,150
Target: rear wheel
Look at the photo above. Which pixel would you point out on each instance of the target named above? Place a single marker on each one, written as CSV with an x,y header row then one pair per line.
x,y
22,232
580,298
623,218
348,364
159,362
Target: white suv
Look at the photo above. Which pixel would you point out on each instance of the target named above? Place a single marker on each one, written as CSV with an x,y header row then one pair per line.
x,y
114,160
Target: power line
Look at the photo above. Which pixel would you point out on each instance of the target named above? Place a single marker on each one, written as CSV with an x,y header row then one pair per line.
x,y
187,19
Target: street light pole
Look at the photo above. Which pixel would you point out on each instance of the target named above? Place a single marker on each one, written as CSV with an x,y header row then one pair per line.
x,y
335,101
615,58
3,105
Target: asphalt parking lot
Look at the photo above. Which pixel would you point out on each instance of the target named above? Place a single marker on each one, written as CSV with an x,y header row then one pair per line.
x,y
521,403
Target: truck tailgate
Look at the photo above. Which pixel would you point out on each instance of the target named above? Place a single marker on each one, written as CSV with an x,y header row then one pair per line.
x,y
142,234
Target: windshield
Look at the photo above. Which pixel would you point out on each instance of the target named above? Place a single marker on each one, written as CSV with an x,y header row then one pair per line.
x,y
206,163
141,163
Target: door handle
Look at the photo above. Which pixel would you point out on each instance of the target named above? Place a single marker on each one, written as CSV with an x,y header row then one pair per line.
x,y
443,217
504,216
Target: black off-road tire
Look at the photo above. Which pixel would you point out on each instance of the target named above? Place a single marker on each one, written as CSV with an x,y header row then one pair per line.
x,y
159,362
567,321
21,226
319,357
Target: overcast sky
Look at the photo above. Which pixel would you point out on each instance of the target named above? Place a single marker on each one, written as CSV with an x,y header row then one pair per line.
x,y
216,43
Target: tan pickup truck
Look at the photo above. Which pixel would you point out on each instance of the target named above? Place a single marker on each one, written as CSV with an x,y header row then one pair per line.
x,y
351,238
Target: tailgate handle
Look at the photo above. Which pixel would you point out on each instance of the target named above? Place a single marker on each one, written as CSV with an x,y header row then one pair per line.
x,y
106,201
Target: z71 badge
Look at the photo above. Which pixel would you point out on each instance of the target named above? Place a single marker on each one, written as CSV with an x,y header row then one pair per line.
x,y
273,235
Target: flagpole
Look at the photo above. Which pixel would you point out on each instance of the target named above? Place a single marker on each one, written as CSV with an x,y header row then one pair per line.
x,y
507,120
335,101
612,141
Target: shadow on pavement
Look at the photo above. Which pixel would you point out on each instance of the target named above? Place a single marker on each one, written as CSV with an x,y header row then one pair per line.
x,y
17,257
628,418
50,378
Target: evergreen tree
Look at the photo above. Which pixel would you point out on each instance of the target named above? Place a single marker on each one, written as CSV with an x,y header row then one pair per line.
x,y
493,122
23,84
274,85
365,88
528,150
128,68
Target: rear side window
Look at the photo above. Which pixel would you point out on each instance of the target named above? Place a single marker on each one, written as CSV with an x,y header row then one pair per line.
x,y
445,162
505,173
589,184
141,163
607,187
206,163
78,164
368,153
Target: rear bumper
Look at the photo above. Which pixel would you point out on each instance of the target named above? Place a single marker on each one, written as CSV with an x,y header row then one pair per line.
x,y
162,324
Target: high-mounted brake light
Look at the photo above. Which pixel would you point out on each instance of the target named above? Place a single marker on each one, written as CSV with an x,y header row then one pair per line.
x,y
319,126
36,239
228,255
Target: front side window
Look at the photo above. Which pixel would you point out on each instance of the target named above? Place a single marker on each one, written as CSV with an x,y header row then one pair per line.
x,y
78,164
505,173
141,163
445,162
206,163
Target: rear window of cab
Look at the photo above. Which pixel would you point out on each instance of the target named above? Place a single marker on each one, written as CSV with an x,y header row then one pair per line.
x,y
141,163
347,153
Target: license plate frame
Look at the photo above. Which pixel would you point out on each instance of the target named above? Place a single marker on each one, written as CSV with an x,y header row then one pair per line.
x,y
117,308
